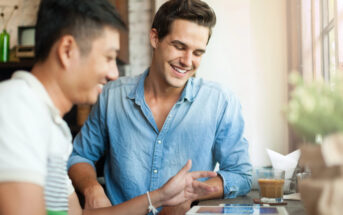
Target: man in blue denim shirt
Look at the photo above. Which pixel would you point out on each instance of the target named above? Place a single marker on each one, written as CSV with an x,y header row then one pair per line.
x,y
148,126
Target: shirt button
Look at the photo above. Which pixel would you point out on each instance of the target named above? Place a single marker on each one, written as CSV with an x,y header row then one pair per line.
x,y
159,142
155,171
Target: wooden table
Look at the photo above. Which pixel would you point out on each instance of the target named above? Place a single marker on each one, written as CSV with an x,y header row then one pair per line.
x,y
293,207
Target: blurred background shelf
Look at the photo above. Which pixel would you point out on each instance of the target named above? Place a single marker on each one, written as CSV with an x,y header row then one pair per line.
x,y
8,68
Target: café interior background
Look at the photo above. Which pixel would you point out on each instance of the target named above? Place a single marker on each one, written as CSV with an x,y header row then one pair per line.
x,y
249,52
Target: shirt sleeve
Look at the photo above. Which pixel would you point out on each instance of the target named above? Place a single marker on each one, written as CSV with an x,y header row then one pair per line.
x,y
231,150
70,187
23,147
89,144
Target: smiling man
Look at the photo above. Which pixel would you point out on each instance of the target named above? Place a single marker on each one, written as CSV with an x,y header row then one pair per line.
x,y
149,125
76,46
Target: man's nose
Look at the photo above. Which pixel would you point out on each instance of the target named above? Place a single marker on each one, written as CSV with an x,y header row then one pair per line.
x,y
186,59
113,73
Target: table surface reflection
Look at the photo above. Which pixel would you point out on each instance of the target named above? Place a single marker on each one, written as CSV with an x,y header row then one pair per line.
x,y
293,207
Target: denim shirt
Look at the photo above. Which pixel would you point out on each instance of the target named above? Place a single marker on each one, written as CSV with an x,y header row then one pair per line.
x,y
205,125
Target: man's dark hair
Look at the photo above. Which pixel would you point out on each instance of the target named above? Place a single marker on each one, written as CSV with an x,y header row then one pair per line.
x,y
195,11
83,19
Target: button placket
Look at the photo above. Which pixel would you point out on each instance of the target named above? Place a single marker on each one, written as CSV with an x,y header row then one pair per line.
x,y
158,152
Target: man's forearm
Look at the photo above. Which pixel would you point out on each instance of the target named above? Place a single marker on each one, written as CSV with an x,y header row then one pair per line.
x,y
83,177
21,198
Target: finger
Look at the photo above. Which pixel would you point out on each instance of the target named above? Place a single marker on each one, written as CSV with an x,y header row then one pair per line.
x,y
185,168
201,187
203,174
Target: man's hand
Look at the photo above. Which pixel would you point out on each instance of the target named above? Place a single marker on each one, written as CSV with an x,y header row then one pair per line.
x,y
95,197
180,209
184,186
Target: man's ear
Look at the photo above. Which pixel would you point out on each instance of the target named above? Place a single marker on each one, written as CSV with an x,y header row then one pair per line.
x,y
154,38
67,50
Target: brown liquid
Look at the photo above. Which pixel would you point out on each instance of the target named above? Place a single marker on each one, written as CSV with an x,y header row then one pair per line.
x,y
271,188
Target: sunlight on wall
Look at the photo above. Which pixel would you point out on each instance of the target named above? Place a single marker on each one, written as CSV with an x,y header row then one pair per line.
x,y
248,54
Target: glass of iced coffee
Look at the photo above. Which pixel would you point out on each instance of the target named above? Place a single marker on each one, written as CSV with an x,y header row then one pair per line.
x,y
271,183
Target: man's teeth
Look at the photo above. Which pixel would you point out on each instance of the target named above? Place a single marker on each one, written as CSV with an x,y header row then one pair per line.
x,y
101,86
181,70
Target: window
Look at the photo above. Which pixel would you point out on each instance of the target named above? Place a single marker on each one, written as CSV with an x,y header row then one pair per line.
x,y
329,39
315,29
321,38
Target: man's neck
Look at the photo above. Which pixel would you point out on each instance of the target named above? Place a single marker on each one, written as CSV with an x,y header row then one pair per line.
x,y
155,87
160,97
46,74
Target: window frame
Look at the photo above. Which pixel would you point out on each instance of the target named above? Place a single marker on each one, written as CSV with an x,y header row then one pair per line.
x,y
315,39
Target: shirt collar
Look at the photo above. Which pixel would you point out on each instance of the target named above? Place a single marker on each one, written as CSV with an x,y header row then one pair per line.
x,y
137,93
188,91
40,90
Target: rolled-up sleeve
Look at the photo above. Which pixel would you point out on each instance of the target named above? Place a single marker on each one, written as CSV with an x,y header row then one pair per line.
x,y
90,143
231,150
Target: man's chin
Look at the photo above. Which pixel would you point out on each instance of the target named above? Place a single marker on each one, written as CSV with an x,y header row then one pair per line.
x,y
177,83
92,99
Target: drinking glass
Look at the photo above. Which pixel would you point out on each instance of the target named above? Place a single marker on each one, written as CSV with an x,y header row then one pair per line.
x,y
271,183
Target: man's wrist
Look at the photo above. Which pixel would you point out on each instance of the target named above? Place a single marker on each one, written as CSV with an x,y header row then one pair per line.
x,y
93,189
157,198
188,203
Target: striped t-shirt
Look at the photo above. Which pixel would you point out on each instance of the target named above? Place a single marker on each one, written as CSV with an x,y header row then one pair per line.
x,y
35,142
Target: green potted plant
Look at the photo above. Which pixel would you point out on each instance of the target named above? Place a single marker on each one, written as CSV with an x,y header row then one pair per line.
x,y
315,112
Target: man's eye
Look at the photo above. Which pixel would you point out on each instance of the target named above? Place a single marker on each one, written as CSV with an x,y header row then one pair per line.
x,y
198,54
110,58
179,47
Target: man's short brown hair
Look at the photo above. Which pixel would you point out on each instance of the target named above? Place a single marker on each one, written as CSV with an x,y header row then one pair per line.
x,y
195,11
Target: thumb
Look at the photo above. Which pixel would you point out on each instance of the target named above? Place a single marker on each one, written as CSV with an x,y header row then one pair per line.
x,y
185,168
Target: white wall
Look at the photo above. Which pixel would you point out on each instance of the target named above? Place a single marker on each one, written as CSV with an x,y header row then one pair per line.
x,y
24,16
248,54
158,3
140,16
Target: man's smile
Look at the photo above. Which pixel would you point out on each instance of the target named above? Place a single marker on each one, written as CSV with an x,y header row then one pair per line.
x,y
179,70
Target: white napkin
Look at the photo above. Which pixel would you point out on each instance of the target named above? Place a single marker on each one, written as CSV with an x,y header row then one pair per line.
x,y
284,162
292,196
